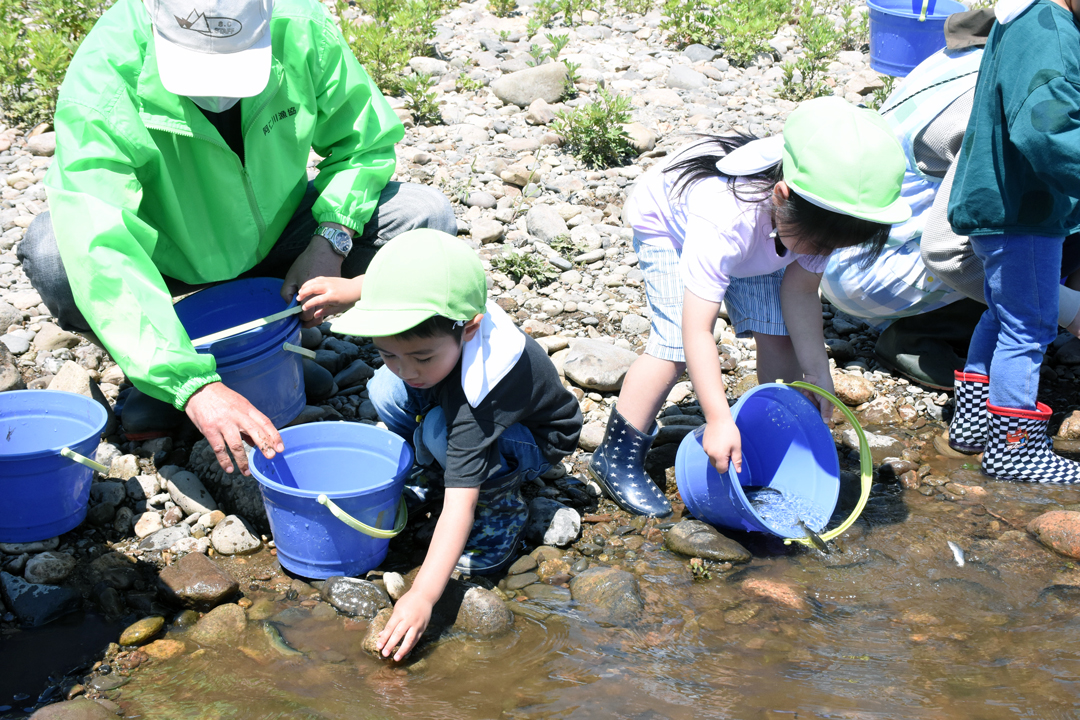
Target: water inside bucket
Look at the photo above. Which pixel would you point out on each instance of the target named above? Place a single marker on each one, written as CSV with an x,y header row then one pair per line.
x,y
782,512
25,434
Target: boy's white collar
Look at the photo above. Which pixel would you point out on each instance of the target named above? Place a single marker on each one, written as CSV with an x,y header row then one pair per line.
x,y
490,354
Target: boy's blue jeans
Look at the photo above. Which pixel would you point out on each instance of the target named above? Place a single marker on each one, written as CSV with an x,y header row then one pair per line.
x,y
1022,280
399,405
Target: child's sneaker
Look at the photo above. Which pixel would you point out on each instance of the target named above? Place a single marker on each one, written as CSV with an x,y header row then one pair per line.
x,y
501,514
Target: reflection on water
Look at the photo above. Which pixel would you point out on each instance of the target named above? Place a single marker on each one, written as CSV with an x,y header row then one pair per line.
x,y
887,626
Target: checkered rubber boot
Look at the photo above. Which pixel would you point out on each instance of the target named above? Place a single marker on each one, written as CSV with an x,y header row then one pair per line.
x,y
971,420
1018,448
619,466
499,521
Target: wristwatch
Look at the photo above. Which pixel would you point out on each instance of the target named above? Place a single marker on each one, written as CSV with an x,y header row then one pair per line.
x,y
339,240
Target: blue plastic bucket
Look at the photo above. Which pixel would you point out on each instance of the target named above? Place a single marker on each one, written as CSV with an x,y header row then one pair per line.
x,y
254,363
42,493
359,471
785,446
901,37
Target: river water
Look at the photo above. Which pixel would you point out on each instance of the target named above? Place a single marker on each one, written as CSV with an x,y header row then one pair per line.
x,y
887,625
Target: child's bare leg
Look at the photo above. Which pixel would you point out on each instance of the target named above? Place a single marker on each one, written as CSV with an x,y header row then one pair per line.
x,y
776,359
644,389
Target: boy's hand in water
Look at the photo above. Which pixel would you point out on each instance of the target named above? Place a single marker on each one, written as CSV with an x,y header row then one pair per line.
x,y
322,297
823,381
723,445
411,616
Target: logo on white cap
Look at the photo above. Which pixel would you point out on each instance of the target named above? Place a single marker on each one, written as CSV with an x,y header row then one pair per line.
x,y
222,27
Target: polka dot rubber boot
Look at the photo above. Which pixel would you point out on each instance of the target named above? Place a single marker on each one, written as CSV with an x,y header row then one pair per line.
x,y
1018,448
971,420
619,466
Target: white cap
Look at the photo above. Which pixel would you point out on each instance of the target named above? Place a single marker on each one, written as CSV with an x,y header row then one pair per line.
x,y
212,48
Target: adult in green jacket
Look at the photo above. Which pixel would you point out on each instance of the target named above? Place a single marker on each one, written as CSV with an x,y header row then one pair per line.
x,y
184,129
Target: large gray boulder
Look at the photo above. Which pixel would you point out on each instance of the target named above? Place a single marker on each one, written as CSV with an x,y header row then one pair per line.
x,y
521,88
596,365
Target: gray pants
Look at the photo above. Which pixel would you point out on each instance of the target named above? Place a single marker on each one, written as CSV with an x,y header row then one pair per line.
x,y
402,207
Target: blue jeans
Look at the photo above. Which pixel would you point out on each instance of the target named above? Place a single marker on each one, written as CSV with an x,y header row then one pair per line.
x,y
399,406
1022,279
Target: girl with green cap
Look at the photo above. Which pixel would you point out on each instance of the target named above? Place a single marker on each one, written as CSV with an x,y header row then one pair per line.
x,y
749,223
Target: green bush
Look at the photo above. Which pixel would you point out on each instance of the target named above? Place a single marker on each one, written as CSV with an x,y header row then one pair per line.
x,y
400,31
690,23
421,98
37,41
517,265
593,133
638,7
502,8
740,28
821,41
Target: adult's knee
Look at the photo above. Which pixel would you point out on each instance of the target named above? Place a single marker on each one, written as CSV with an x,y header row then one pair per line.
x,y
40,259
433,210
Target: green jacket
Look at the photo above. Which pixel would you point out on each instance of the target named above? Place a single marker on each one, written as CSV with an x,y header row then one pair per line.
x,y
143,184
1019,166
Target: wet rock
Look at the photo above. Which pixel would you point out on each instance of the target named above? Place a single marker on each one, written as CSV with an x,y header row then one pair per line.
x,y
189,494
1058,530
164,649
516,582
542,592
851,389
197,582
222,627
881,446
697,539
49,568
1070,426
483,614
234,536
524,564
37,604
376,626
879,411
358,598
552,523
780,593
355,373
609,595
165,538
522,88
596,365
77,709
139,633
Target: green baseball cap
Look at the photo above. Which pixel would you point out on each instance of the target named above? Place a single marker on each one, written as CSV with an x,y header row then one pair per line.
x,y
415,276
846,159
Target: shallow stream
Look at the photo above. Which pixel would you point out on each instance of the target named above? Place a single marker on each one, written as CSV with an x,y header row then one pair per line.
x,y
888,625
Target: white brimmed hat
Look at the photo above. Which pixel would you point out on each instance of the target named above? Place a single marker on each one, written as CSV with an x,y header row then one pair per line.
x,y
212,48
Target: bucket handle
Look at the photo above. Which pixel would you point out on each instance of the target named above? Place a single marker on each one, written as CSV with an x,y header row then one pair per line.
x,y
299,350
865,466
922,15
83,460
399,525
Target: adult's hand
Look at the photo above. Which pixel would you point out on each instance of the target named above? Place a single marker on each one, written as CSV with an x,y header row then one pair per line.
x,y
226,418
317,260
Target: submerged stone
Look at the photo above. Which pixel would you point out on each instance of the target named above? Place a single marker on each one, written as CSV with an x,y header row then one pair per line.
x,y
611,596
359,598
697,539
196,581
139,633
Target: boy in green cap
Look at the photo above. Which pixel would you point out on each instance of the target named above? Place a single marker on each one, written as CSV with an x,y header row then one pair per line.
x,y
467,389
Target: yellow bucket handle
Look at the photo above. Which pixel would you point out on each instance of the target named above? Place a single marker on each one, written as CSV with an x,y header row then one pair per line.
x,y
865,465
922,15
402,518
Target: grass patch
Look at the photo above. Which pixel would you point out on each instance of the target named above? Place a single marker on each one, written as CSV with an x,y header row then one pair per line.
x,y
517,266
594,132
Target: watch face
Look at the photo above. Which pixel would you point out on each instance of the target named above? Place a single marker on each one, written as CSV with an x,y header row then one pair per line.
x,y
338,239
